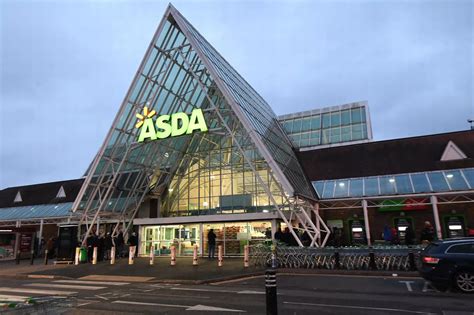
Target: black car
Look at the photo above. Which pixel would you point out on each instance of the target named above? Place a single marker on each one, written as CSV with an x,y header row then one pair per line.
x,y
449,263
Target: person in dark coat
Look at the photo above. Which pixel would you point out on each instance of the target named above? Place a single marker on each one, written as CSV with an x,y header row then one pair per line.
x,y
409,235
133,242
278,235
119,243
100,247
107,245
211,242
90,247
427,234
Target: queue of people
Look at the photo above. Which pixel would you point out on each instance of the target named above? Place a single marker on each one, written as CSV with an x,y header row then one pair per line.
x,y
104,243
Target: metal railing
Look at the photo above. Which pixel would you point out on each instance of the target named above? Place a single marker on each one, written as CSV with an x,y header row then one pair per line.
x,y
394,258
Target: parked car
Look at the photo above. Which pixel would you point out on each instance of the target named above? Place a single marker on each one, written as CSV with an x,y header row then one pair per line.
x,y
449,263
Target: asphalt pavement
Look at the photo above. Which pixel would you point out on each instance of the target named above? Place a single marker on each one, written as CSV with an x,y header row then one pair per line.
x,y
297,294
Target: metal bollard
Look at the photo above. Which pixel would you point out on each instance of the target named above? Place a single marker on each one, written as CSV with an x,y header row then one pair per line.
x,y
94,256
46,257
372,264
112,255
173,255
32,261
152,255
411,260
271,292
337,263
274,265
131,255
76,258
246,256
220,259
195,255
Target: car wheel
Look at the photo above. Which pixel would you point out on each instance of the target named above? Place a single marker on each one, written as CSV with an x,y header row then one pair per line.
x,y
465,281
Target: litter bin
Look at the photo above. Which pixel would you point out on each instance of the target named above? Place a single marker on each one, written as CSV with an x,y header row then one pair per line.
x,y
83,255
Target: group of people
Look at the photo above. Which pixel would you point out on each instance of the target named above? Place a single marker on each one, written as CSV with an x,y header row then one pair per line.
x,y
392,236
287,238
104,243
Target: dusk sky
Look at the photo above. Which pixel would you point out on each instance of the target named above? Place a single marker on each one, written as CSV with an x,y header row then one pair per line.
x,y
66,67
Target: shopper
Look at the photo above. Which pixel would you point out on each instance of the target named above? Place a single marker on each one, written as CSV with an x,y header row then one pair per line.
x,y
278,235
119,243
409,236
133,242
211,242
387,234
107,245
427,234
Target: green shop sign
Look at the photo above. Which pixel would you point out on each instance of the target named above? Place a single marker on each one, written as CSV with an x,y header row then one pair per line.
x,y
167,126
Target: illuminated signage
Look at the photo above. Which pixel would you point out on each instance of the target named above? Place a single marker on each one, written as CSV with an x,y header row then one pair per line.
x,y
166,126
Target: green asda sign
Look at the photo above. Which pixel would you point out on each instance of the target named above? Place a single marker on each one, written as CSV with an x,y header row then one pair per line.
x,y
166,126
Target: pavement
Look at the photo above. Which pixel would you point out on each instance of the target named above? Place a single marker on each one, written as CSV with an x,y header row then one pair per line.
x,y
183,272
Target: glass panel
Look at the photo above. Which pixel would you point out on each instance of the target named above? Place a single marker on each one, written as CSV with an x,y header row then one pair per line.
x,y
420,183
346,133
328,189
335,119
357,132
403,184
335,135
326,136
357,188
326,120
319,186
469,174
371,186
356,115
316,122
296,126
438,181
345,117
306,124
455,180
387,185
342,188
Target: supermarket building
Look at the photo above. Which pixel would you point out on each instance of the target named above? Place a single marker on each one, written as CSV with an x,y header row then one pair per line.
x,y
194,147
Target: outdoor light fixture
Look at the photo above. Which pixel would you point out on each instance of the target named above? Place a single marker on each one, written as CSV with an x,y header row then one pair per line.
x,y
341,184
265,211
392,180
170,189
357,229
455,227
6,231
205,204
449,176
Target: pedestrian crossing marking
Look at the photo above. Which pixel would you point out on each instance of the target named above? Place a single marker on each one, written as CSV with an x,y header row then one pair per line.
x,y
117,278
90,282
13,298
36,291
65,286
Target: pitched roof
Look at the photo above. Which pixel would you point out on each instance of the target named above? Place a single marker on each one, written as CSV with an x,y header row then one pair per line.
x,y
415,154
44,193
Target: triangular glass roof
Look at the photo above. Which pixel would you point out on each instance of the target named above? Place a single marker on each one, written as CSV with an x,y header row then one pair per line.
x,y
244,161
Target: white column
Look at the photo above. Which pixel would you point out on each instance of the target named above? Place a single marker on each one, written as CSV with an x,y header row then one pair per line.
x,y
434,203
201,239
274,228
366,221
40,237
318,224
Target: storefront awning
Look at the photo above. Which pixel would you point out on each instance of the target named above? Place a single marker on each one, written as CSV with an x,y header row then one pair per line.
x,y
35,212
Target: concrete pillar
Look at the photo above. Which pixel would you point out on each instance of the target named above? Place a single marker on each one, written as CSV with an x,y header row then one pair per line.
x,y
274,228
434,204
40,237
201,239
366,220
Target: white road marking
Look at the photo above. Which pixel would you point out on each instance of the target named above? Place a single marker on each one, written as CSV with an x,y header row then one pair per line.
x,y
13,298
360,307
219,291
65,286
198,307
36,291
90,282
408,284
150,304
212,309
102,297
427,287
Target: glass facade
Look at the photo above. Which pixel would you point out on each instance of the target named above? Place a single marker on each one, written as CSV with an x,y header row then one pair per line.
x,y
332,125
223,170
411,183
233,236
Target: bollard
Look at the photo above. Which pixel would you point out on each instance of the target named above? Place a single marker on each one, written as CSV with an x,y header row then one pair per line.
x,y
112,255
271,291
195,255
94,256
131,255
76,258
220,259
372,264
46,257
152,255
246,256
273,256
17,258
32,261
337,264
173,255
411,260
